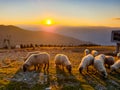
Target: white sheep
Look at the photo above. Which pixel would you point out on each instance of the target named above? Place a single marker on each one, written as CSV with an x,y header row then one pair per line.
x,y
109,60
37,59
115,66
94,53
85,62
99,64
63,60
118,55
86,52
17,46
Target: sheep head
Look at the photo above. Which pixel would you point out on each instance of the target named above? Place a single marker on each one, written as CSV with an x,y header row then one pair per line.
x,y
104,74
86,51
80,69
69,68
112,69
118,55
94,53
25,67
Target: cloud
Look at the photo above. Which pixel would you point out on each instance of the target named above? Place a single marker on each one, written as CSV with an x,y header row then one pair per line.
x,y
115,18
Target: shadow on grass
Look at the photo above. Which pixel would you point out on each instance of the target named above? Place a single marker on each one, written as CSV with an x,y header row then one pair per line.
x,y
62,80
30,80
98,82
67,81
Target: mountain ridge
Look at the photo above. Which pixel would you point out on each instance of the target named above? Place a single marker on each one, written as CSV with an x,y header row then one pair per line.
x,y
22,36
95,34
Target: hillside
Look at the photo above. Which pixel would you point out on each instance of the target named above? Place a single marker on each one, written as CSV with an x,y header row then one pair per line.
x,y
99,35
96,34
17,35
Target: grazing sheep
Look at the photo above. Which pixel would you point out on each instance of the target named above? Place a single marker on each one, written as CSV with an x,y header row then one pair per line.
x,y
86,61
63,60
99,64
118,55
86,52
37,59
115,66
109,60
94,53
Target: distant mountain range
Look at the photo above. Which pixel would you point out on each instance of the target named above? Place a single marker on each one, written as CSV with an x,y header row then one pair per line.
x,y
96,34
17,35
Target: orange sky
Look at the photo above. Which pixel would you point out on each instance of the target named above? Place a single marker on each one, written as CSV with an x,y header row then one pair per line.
x,y
61,12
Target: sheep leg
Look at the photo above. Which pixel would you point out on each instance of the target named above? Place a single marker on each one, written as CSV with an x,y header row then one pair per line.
x,y
87,69
109,66
105,65
47,66
35,67
44,66
63,67
38,66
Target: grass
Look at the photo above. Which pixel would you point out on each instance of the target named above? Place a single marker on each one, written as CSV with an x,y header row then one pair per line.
x,y
12,77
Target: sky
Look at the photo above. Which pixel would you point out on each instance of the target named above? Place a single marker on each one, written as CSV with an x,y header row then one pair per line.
x,y
61,12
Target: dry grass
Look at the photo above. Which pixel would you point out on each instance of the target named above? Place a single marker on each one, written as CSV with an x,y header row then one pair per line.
x,y
13,78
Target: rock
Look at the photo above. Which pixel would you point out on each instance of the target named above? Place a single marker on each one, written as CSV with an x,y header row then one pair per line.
x,y
49,88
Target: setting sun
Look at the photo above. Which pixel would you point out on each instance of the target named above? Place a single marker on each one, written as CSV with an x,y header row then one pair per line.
x,y
48,22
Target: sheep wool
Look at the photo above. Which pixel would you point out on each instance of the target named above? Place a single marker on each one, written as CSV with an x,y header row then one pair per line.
x,y
85,62
30,53
99,64
115,66
109,60
61,59
37,59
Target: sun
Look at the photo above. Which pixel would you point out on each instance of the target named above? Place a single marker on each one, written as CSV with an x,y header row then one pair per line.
x,y
49,22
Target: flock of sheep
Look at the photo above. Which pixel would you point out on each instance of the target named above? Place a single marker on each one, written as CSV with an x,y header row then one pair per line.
x,y
98,61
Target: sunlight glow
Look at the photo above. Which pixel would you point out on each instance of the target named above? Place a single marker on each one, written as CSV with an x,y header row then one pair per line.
x,y
49,22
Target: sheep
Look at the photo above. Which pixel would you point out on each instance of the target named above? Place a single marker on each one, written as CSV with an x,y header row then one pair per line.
x,y
63,60
86,52
37,59
99,65
86,61
109,60
94,53
17,46
118,55
30,53
115,66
